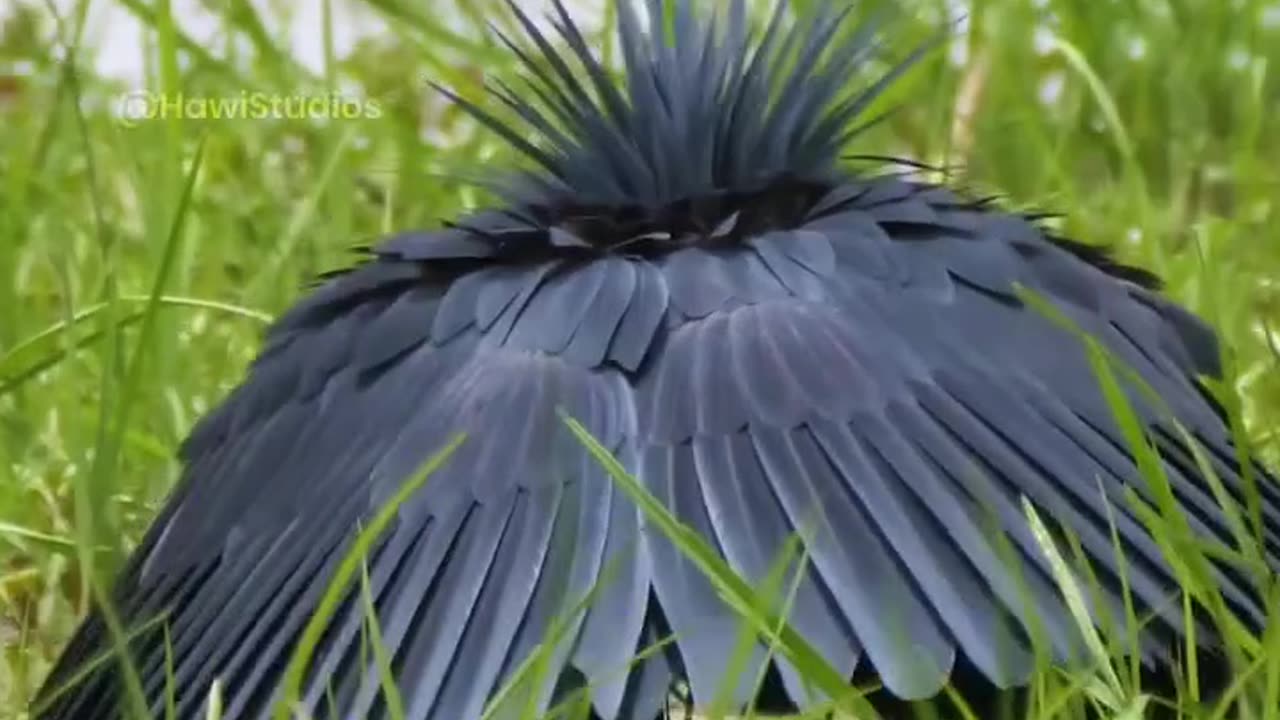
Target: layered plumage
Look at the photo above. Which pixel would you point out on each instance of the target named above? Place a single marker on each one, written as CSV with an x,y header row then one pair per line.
x,y
769,342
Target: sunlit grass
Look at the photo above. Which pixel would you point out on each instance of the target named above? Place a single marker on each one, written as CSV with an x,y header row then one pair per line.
x,y
131,302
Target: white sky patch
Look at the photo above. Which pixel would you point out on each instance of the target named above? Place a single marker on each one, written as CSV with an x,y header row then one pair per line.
x,y
1051,88
1137,48
959,12
1271,16
1237,58
1043,39
117,41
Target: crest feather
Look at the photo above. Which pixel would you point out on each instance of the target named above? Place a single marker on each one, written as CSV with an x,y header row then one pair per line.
x,y
708,104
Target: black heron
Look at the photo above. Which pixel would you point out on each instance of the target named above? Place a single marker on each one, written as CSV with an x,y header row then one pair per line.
x,y
769,341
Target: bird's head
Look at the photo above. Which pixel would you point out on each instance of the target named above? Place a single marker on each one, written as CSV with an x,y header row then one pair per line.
x,y
717,131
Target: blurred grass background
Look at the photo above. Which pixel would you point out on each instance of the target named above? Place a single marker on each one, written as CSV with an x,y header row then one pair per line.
x,y
1153,126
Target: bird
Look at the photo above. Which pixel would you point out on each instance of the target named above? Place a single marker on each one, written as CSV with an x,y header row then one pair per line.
x,y
681,270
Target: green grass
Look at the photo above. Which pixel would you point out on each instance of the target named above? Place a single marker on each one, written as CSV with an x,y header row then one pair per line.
x,y
141,262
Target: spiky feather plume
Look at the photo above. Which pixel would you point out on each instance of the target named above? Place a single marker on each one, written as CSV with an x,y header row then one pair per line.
x,y
708,106
720,131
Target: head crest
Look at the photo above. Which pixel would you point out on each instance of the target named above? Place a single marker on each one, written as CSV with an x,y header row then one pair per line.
x,y
709,105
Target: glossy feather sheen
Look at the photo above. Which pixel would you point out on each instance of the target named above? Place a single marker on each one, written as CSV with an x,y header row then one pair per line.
x,y
863,375
847,401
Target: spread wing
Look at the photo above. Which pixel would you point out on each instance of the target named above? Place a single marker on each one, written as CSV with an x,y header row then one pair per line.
x,y
873,379
869,380
355,389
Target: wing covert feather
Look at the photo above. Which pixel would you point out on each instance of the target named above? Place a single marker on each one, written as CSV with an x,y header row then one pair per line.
x,y
869,380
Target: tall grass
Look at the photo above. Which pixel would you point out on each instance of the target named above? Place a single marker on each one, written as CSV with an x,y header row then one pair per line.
x,y
141,260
